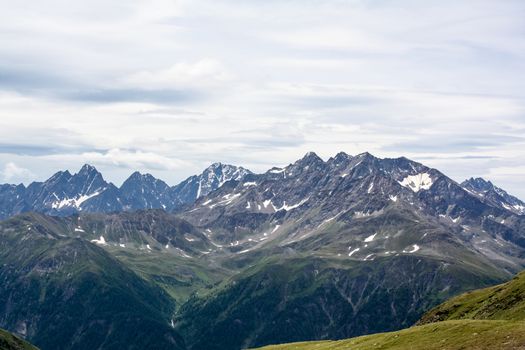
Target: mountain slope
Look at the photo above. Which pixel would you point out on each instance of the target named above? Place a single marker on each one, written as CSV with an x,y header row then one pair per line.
x,y
145,230
502,302
314,298
491,318
10,342
449,335
67,293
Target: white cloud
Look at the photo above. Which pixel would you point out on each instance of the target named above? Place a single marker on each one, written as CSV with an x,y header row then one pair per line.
x,y
202,73
14,173
123,158
170,86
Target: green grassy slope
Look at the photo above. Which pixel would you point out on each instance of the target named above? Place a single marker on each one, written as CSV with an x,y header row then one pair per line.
x,y
448,335
502,302
9,342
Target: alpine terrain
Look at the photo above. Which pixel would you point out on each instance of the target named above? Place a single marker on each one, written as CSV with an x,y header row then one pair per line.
x,y
491,318
86,191
230,259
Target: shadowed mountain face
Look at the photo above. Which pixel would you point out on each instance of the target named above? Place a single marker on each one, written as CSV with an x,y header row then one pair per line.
x,y
298,299
87,191
490,318
315,250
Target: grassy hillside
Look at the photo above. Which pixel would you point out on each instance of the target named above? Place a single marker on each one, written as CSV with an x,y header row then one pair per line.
x,y
502,302
448,335
10,342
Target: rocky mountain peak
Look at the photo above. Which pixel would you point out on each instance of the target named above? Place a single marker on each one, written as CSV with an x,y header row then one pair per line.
x,y
310,161
311,157
60,177
494,195
216,165
138,177
87,170
478,183
341,157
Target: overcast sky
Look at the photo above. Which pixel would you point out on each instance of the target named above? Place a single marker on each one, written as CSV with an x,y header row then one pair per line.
x,y
168,87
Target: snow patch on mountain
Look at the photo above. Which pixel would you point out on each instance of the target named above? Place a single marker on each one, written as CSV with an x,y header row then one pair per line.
x,y
417,182
370,238
100,241
227,200
74,202
353,251
277,171
414,249
291,207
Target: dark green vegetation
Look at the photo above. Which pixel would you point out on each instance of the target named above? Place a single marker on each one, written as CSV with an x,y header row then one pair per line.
x,y
67,293
490,318
10,342
311,298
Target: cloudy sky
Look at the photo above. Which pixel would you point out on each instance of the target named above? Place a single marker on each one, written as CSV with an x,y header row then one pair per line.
x,y
168,87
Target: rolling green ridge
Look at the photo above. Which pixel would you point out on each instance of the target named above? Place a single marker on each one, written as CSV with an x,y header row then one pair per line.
x,y
10,342
501,302
447,335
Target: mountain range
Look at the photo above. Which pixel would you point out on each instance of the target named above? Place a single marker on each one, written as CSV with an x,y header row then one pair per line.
x,y
86,191
231,259
359,245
